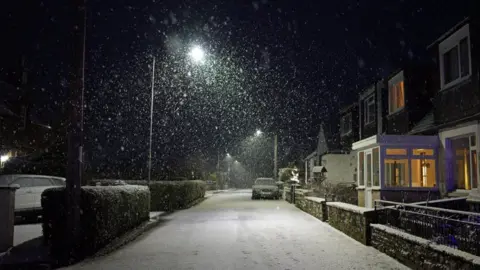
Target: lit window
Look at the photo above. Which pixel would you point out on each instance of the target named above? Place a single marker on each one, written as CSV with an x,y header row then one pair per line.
x,y
396,152
420,152
423,172
396,94
396,173
369,109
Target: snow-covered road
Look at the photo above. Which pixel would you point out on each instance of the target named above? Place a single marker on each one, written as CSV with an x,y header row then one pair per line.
x,y
230,231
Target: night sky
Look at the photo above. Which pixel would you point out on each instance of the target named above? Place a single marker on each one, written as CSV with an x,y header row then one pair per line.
x,y
280,66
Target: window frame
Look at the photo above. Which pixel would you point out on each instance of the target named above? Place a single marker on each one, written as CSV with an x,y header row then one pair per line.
x,y
369,100
452,42
392,84
347,116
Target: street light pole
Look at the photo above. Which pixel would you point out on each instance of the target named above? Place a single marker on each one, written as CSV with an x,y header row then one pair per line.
x,y
275,157
151,123
75,129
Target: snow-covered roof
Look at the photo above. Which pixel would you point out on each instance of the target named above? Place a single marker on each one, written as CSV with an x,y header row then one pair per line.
x,y
425,124
350,207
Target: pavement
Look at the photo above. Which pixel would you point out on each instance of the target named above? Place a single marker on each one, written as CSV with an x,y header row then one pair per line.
x,y
231,231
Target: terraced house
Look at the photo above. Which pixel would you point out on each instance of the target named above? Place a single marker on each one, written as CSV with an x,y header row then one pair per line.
x,y
419,127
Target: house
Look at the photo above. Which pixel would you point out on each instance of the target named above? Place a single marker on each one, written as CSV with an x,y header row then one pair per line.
x,y
424,150
372,110
348,126
330,160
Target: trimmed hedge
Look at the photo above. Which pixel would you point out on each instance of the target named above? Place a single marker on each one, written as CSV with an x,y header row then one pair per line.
x,y
173,195
166,195
105,213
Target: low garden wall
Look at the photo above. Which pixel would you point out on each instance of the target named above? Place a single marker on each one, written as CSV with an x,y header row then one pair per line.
x,y
106,213
316,207
352,220
419,253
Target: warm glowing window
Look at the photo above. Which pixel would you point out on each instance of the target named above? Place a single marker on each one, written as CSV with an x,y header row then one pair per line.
x,y
423,172
396,152
420,152
396,173
396,96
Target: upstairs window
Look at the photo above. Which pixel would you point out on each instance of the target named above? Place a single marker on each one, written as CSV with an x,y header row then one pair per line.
x,y
346,124
396,93
369,107
454,56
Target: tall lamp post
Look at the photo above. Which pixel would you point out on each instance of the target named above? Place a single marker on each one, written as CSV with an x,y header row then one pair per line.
x,y
197,55
275,153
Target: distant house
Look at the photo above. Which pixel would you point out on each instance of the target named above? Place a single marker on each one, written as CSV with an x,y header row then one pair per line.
x,y
427,125
329,159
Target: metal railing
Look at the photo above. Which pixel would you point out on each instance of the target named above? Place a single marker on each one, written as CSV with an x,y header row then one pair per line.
x,y
453,228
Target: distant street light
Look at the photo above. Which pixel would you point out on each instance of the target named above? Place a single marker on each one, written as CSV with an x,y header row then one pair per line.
x,y
275,152
197,54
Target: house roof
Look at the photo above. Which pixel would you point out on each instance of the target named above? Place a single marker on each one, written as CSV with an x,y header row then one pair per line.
x,y
345,109
427,122
449,32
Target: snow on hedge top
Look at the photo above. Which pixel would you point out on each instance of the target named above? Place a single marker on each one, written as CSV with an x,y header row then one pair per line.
x,y
349,207
315,199
441,248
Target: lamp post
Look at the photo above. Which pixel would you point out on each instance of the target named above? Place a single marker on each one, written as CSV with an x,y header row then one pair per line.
x,y
275,152
197,55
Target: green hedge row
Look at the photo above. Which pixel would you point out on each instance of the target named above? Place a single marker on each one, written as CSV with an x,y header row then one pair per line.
x,y
166,195
105,213
173,195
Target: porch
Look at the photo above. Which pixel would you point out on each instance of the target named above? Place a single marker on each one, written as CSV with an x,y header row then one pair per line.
x,y
397,167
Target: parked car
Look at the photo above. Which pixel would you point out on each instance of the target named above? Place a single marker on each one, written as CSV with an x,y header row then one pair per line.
x,y
265,188
28,197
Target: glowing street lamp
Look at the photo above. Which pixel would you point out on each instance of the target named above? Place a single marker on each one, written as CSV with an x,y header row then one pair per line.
x,y
258,133
197,54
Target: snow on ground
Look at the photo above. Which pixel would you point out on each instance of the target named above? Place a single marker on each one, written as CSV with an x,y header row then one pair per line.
x,y
231,231
26,232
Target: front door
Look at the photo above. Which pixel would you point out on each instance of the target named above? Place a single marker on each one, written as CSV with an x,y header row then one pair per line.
x,y
368,179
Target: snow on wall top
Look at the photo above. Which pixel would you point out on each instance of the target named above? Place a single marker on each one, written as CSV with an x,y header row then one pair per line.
x,y
350,207
441,248
315,199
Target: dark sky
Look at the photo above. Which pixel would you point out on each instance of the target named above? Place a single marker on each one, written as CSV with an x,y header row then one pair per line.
x,y
282,66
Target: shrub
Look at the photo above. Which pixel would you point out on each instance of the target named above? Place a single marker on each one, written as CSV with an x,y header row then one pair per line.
x,y
106,213
173,195
166,195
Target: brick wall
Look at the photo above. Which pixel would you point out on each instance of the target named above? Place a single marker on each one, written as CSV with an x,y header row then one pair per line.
x,y
418,253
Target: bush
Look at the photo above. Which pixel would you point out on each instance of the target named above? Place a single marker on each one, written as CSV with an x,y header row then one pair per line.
x,y
166,195
106,213
173,195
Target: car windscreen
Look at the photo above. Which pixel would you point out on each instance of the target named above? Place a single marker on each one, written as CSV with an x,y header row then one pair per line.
x,y
268,182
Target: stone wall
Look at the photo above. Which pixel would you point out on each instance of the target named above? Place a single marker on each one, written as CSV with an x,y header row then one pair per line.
x,y
316,207
352,220
418,253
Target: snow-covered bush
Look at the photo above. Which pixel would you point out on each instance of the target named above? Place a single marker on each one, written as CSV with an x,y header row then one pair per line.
x,y
173,195
106,213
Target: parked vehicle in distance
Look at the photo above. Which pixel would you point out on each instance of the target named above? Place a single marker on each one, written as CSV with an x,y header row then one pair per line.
x,y
28,198
265,188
